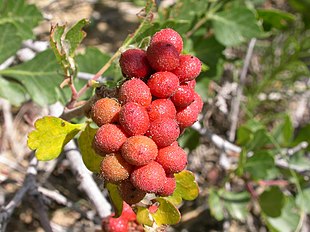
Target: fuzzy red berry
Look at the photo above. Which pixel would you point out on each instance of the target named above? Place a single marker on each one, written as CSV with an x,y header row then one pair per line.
x,y
139,150
161,108
134,119
191,83
114,168
162,56
111,224
163,84
163,131
128,213
168,188
105,110
129,193
170,36
188,69
188,115
149,178
109,138
134,63
172,158
183,97
135,90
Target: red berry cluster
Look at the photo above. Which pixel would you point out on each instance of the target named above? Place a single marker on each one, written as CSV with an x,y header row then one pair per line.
x,y
124,223
138,131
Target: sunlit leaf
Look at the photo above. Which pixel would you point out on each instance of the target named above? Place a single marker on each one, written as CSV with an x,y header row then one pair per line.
x,y
51,134
143,216
166,213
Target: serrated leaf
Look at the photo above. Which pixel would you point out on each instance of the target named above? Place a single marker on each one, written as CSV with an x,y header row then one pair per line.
x,y
12,91
271,202
143,216
22,15
90,158
186,187
166,214
10,42
115,197
39,76
235,26
50,136
215,205
75,35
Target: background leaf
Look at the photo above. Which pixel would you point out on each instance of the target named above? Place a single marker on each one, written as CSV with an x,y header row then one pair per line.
x,y
215,204
12,91
50,136
10,42
271,201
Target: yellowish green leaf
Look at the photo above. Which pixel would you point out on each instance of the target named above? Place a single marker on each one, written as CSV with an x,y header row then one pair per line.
x,y
167,213
50,136
143,216
116,198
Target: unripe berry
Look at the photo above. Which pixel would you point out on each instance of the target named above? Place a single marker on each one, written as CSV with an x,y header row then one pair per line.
x,y
114,168
162,56
109,138
183,97
188,115
135,90
134,119
105,110
188,69
139,150
163,131
149,178
170,36
134,63
163,84
161,108
168,188
129,193
172,158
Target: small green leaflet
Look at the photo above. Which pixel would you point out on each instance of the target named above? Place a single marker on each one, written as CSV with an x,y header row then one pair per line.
x,y
116,198
90,158
186,188
50,136
167,213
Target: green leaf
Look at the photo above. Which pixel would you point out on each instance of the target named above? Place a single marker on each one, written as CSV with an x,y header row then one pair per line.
x,y
215,204
75,35
143,216
90,158
22,15
115,197
272,201
50,136
12,91
189,139
259,165
275,18
288,220
235,26
236,204
39,76
10,42
186,187
303,200
244,135
260,139
167,213
303,135
283,133
56,42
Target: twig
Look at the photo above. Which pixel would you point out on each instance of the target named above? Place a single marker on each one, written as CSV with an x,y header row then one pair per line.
x,y
236,103
7,62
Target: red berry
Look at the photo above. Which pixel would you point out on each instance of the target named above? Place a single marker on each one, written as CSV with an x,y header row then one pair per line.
x,y
105,110
161,108
168,188
128,213
170,36
163,84
129,193
134,63
172,158
163,131
109,138
149,178
162,56
191,83
134,119
188,69
135,90
114,168
111,224
188,115
183,97
139,150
